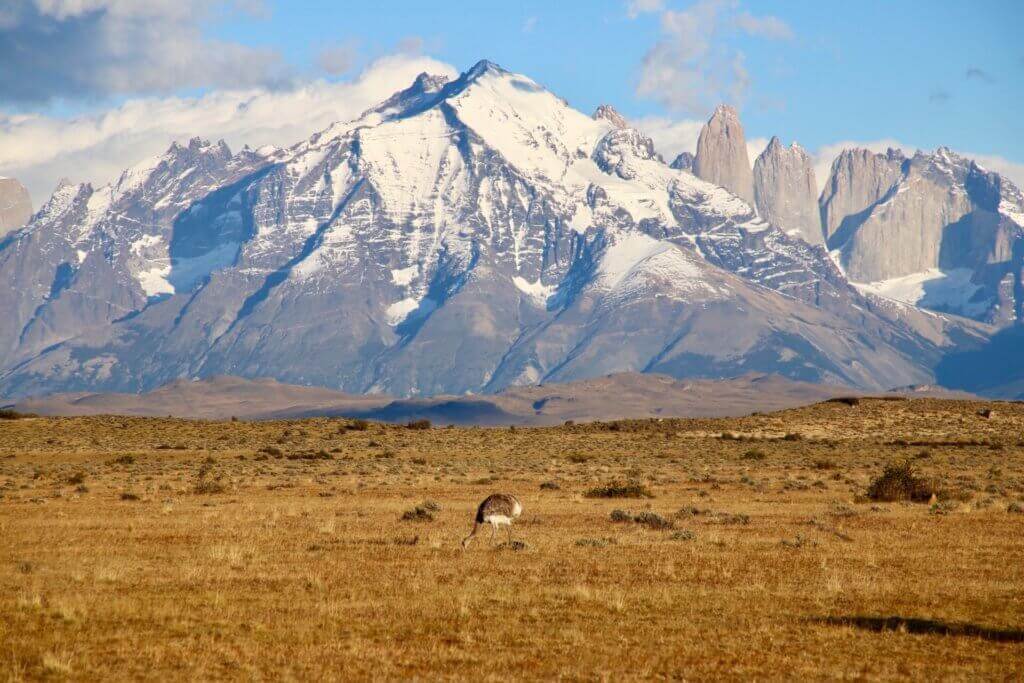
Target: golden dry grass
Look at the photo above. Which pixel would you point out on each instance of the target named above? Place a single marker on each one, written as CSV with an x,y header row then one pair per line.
x,y
171,549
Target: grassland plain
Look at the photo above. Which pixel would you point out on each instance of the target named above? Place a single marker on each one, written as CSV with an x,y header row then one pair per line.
x,y
141,548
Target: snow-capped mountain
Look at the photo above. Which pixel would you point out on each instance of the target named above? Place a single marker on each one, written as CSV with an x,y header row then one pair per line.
x,y
462,236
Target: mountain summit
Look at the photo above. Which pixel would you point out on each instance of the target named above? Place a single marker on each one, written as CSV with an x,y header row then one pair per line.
x,y
462,236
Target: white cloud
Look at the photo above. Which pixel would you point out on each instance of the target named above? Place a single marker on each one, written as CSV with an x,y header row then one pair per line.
x,y
635,8
39,150
765,27
695,65
94,48
670,136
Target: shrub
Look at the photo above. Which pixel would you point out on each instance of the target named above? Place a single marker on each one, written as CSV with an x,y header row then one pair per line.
x,y
899,481
618,489
845,400
648,519
621,516
418,424
127,495
550,486
359,425
76,478
753,454
209,486
418,514
271,450
652,520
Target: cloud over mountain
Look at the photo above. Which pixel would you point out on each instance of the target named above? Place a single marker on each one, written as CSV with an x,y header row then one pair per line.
x,y
40,149
96,48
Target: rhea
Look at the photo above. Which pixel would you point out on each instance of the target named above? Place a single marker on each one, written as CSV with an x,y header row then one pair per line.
x,y
497,509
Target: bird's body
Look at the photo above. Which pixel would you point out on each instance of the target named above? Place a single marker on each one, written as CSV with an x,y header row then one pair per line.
x,y
496,510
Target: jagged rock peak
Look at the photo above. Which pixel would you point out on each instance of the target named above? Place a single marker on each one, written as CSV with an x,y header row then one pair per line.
x,y
722,154
429,82
785,190
683,162
608,113
619,146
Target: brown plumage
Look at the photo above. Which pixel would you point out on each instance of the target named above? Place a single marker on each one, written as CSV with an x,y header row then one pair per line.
x,y
497,509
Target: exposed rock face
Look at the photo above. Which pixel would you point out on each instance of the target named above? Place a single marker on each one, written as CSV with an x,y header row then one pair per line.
x,y
15,205
785,191
722,154
859,178
683,162
607,112
935,230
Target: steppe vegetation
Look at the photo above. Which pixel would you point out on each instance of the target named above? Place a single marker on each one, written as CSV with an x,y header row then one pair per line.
x,y
871,538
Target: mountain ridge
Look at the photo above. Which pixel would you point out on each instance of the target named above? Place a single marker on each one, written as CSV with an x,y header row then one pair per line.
x,y
464,235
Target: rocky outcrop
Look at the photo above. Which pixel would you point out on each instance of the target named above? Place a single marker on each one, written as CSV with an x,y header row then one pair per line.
x,y
935,230
858,179
785,191
722,154
15,205
683,162
607,112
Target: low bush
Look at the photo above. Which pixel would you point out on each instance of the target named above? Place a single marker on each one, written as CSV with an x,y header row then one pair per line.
x,y
899,481
618,489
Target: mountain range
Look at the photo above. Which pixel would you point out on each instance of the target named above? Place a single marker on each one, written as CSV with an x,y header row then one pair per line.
x,y
478,234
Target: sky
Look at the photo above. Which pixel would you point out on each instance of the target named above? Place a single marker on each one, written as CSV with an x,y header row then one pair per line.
x,y
89,87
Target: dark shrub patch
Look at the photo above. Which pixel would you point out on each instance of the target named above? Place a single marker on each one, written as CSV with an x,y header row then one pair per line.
x,y
753,454
618,489
845,400
418,424
418,514
899,481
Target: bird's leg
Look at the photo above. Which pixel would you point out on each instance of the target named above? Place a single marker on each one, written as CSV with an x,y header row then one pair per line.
x,y
467,539
510,534
494,528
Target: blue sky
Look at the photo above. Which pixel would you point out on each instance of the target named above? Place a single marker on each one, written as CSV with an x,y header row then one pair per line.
x,y
853,70
919,74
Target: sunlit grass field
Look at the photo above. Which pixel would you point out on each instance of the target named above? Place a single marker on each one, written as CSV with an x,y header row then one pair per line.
x,y
329,549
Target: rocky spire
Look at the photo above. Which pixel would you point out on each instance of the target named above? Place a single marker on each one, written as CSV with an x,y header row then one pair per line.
x,y
15,205
608,113
785,190
722,154
859,178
